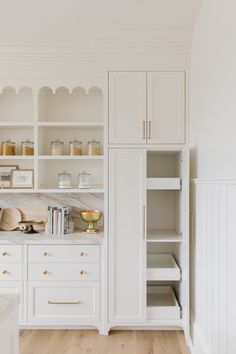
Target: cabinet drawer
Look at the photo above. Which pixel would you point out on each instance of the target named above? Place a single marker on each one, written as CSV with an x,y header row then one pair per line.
x,y
10,253
65,253
63,303
13,287
60,271
10,271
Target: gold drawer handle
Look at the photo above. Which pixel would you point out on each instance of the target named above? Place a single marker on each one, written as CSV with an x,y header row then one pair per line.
x,y
63,302
81,254
45,272
82,272
4,272
4,254
45,254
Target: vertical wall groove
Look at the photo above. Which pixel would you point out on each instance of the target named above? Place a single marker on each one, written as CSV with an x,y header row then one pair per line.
x,y
213,265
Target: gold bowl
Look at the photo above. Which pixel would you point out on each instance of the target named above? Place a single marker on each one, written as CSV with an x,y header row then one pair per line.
x,y
91,217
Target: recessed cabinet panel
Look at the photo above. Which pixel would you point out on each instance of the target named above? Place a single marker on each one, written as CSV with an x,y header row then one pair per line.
x,y
127,236
127,107
166,107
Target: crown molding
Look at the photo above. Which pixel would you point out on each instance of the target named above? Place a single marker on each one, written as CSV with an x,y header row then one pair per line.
x,y
47,54
141,39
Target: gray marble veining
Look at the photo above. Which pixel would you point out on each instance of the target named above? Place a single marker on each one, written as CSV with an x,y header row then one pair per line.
x,y
7,303
76,201
80,238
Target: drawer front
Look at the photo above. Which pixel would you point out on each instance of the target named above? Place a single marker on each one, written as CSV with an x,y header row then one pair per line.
x,y
60,271
63,253
63,303
10,253
13,287
10,271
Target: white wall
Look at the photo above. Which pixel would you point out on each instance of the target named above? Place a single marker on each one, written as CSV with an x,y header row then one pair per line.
x,y
213,91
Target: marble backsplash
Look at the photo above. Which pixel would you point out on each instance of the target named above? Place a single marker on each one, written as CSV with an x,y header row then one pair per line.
x,y
74,200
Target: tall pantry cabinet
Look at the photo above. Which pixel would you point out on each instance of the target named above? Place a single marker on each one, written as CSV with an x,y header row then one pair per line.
x,y
148,200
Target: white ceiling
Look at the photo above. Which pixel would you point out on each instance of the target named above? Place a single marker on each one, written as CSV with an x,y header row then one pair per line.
x,y
69,21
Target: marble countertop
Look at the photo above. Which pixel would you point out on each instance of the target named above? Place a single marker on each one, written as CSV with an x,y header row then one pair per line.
x,y
7,303
80,238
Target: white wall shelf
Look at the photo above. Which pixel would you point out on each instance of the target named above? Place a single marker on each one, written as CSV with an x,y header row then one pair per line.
x,y
45,116
71,124
68,157
162,235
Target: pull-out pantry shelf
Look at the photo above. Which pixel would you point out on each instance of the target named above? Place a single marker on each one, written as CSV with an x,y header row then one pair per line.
x,y
162,267
164,183
162,303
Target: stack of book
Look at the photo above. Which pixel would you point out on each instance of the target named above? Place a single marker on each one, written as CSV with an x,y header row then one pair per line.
x,y
58,220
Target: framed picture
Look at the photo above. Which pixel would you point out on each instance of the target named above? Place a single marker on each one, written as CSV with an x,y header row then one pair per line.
x,y
5,175
22,179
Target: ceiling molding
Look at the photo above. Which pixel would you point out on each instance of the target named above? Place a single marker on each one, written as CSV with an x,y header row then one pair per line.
x,y
140,40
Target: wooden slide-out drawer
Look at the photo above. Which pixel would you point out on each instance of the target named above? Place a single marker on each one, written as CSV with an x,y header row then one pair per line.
x,y
63,303
63,253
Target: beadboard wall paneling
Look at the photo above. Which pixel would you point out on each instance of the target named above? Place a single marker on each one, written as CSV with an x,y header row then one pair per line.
x,y
213,270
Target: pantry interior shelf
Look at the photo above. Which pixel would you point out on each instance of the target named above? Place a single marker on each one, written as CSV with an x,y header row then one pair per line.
x,y
163,235
163,183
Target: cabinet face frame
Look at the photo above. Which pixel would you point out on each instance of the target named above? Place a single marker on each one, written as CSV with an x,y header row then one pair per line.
x,y
123,259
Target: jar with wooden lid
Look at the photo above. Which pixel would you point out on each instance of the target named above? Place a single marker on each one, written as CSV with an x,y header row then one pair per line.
x,y
8,148
94,147
57,148
27,148
75,147
64,180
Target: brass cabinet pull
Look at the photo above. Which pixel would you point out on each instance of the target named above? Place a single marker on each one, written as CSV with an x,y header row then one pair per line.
x,y
45,254
82,254
4,254
82,272
144,129
4,272
45,272
144,222
63,302
149,129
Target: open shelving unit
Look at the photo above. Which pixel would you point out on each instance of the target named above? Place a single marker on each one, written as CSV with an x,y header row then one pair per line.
x,y
44,117
166,235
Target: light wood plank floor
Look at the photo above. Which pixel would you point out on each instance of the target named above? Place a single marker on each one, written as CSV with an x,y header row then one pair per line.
x,y
90,342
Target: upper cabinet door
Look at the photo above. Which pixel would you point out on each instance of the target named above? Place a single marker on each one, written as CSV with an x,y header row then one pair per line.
x,y
166,108
127,107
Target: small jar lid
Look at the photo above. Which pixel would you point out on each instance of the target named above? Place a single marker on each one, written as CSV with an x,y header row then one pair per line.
x,y
75,141
94,142
84,173
64,173
8,141
57,141
27,141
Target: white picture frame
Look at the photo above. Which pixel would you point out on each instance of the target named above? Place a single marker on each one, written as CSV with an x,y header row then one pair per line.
x,y
22,179
5,175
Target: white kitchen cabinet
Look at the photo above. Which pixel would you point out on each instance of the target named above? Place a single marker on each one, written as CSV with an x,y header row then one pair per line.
x,y
166,107
127,107
147,108
127,233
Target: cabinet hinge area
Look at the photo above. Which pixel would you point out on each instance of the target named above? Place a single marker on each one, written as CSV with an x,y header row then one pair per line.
x,y
181,158
181,312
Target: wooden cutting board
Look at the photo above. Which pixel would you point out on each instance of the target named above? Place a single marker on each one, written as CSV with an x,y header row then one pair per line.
x,y
10,219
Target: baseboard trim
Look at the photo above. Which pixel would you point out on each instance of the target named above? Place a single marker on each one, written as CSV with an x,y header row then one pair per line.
x,y
198,345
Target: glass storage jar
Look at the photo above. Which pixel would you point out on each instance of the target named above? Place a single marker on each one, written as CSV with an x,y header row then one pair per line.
x,y
84,180
64,180
94,147
75,148
57,148
27,148
8,147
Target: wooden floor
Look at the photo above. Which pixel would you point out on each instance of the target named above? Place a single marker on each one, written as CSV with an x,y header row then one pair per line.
x,y
90,342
